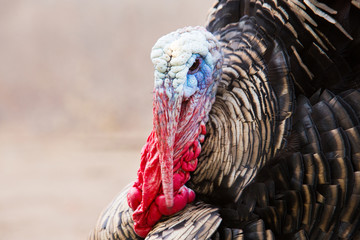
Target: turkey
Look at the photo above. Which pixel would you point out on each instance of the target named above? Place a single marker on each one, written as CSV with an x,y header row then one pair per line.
x,y
256,128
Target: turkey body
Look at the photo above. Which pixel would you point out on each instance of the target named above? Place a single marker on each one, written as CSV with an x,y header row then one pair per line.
x,y
281,156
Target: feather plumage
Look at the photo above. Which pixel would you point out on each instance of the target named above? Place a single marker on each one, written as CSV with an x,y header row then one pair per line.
x,y
281,156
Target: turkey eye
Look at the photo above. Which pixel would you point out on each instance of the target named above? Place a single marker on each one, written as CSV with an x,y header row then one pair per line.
x,y
195,66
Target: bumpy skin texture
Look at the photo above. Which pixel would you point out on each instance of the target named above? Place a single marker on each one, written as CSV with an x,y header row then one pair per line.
x,y
281,157
187,68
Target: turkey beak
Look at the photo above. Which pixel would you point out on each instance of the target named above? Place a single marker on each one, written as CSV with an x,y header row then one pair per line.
x,y
167,122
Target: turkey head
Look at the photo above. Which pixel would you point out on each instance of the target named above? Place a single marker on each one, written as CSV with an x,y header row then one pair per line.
x,y
187,69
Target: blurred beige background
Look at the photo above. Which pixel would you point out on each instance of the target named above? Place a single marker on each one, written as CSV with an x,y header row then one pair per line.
x,y
75,106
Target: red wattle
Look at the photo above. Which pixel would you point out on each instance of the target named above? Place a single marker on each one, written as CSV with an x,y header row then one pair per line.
x,y
180,200
134,197
142,231
147,198
189,166
180,179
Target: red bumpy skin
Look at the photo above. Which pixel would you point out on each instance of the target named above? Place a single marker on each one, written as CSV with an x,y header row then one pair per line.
x,y
146,197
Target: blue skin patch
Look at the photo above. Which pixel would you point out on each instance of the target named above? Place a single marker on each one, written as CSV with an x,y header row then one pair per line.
x,y
199,78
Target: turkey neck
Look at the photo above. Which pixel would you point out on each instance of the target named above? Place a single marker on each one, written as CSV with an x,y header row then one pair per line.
x,y
250,119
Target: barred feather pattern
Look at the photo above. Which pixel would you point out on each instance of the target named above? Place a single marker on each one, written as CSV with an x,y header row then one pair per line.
x,y
250,118
281,157
312,193
321,39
